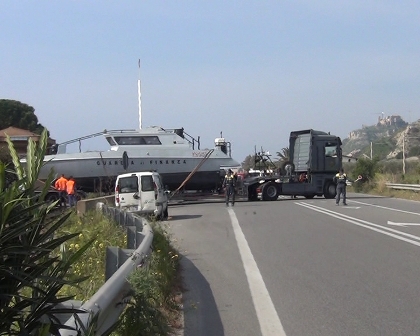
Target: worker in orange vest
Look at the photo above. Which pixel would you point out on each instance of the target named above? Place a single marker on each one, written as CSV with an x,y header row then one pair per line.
x,y
71,191
61,186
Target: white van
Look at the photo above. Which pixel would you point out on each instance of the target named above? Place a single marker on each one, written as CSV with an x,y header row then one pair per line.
x,y
142,193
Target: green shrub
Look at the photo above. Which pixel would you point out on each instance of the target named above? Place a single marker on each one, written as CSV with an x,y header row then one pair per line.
x,y
102,232
153,308
32,271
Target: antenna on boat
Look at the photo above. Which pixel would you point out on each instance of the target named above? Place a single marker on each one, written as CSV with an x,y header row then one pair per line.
x,y
139,95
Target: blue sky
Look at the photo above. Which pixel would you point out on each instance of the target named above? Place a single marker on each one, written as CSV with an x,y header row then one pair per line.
x,y
254,70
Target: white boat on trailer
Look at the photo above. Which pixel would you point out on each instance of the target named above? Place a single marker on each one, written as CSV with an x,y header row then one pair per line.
x,y
172,153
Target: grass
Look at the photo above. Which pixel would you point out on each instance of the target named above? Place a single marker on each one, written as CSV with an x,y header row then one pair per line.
x,y
93,227
155,305
378,187
156,286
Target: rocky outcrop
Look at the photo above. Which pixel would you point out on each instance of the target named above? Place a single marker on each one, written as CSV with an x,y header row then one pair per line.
x,y
391,129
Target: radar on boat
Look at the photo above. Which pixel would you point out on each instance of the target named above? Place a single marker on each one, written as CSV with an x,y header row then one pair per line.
x,y
220,141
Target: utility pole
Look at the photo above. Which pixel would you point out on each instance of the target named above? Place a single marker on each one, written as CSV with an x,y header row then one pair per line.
x,y
371,150
139,97
403,153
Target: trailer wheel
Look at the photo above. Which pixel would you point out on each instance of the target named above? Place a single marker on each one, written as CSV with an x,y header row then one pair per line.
x,y
252,194
51,197
310,196
270,192
329,189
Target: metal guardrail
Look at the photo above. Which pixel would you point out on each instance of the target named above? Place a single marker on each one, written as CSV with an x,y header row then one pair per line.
x,y
403,186
106,305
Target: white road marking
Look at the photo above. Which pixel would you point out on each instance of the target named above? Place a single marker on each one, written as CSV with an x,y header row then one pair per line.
x,y
383,207
403,224
368,225
268,318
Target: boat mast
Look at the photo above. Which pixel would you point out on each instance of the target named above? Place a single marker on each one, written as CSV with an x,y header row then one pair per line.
x,y
139,96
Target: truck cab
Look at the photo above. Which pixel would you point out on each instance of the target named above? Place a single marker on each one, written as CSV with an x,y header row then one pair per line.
x,y
315,158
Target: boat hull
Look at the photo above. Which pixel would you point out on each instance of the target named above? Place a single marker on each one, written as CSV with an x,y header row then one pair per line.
x,y
203,180
98,172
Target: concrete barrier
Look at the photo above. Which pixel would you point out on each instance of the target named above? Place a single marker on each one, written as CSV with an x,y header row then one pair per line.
x,y
86,205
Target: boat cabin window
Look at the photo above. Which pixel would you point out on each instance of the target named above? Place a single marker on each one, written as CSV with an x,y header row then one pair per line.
x,y
111,141
137,140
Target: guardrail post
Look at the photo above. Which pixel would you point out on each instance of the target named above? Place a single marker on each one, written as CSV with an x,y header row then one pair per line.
x,y
115,257
110,300
134,235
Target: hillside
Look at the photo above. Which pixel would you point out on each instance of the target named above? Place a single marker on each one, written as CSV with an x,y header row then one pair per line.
x,y
385,139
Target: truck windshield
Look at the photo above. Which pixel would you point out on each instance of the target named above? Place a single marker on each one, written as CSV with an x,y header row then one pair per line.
x,y
331,150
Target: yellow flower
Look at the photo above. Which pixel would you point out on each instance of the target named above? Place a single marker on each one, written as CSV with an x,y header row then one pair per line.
x,y
81,235
101,245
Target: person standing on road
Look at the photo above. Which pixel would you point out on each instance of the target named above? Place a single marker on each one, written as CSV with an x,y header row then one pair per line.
x,y
71,191
229,184
61,186
341,180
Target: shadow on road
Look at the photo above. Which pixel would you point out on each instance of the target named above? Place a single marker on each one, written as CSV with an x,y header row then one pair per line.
x,y
183,217
201,316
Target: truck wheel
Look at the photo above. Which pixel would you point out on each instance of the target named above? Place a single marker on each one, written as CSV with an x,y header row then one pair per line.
x,y
329,189
270,192
252,194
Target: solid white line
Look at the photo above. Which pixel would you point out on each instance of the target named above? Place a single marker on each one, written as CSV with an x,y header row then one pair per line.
x,y
403,224
270,323
384,207
370,226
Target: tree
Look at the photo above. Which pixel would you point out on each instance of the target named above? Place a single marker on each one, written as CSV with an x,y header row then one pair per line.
x,y
249,162
366,168
17,114
284,155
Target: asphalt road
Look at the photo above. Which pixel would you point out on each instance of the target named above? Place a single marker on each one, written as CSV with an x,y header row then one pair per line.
x,y
300,267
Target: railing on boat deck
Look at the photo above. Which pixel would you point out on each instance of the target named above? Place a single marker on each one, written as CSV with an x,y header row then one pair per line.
x,y
181,132
58,148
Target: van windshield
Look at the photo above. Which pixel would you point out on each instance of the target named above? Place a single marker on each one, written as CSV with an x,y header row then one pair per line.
x,y
128,184
147,183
